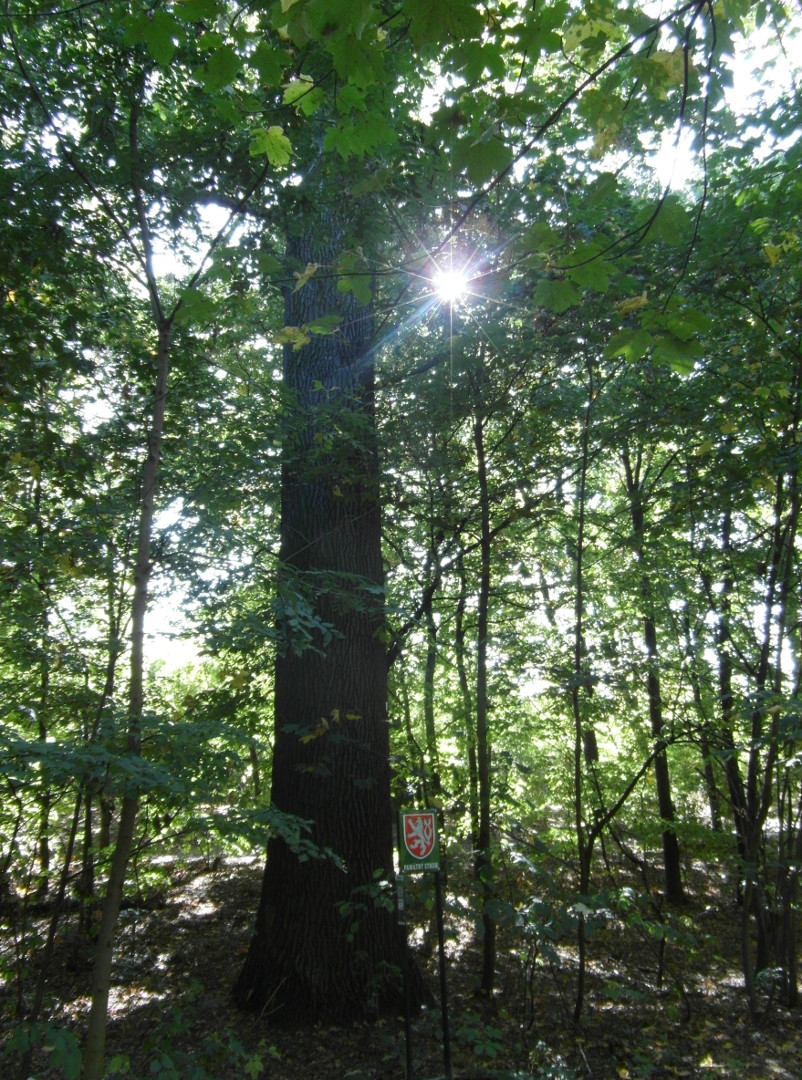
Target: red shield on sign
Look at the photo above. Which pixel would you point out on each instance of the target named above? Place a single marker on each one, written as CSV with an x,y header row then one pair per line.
x,y
419,834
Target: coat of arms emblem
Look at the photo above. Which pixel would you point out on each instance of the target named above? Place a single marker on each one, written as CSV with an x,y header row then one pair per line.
x,y
419,834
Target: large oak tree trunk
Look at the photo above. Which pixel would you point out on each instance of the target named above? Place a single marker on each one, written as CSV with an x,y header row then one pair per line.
x,y
323,947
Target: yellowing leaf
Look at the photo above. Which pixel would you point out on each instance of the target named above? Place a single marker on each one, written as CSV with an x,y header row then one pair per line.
x,y
634,303
291,335
672,62
584,30
302,278
321,729
67,565
772,253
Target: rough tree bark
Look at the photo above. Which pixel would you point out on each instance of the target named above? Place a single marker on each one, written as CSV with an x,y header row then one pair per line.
x,y
324,946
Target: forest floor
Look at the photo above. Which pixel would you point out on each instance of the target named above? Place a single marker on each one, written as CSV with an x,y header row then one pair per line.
x,y
180,949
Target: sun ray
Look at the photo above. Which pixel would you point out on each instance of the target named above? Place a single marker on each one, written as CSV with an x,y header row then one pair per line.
x,y
451,285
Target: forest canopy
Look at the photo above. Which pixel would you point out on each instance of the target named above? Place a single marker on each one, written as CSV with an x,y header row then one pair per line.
x,y
401,406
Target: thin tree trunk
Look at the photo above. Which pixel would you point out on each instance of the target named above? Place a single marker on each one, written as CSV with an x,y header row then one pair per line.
x,y
484,860
86,879
42,574
789,836
428,699
707,734
585,838
93,1062
50,940
735,784
467,705
672,868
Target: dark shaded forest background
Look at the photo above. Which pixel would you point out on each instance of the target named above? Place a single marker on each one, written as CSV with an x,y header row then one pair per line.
x,y
297,529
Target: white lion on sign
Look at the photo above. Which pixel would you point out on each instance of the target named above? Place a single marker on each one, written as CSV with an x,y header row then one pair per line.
x,y
419,834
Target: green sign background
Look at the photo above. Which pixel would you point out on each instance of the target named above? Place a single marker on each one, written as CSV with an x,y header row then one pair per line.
x,y
414,829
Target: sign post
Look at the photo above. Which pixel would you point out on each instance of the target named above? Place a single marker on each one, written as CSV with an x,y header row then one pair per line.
x,y
402,922
419,852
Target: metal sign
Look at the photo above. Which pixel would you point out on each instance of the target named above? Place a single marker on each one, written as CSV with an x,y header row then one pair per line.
x,y
419,851
419,846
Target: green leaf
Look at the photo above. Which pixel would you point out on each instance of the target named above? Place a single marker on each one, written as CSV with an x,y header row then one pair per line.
x,y
158,33
326,324
221,68
681,355
631,344
65,1054
588,269
541,237
267,263
269,63
197,10
254,1066
210,39
475,58
353,279
602,188
360,136
542,32
343,18
274,143
228,107
434,22
686,324
483,159
672,223
556,295
356,63
324,21
196,307
303,94
377,182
